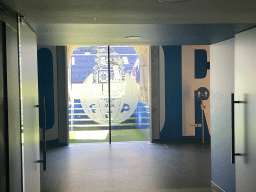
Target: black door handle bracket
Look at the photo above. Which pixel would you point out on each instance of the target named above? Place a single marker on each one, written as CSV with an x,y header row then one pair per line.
x,y
233,154
44,133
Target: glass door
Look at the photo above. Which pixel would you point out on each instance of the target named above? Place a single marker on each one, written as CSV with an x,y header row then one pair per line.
x,y
129,93
88,92
92,104
29,108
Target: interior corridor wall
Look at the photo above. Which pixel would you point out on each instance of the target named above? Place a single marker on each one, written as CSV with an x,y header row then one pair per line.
x,y
186,69
3,114
222,85
47,87
62,92
52,73
14,115
10,133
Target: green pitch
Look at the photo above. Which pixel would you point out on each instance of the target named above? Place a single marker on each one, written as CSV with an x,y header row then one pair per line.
x,y
116,136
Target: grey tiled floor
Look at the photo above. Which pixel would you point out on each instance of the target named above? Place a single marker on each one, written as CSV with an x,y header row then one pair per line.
x,y
128,166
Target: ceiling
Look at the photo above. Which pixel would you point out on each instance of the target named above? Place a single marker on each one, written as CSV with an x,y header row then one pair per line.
x,y
87,22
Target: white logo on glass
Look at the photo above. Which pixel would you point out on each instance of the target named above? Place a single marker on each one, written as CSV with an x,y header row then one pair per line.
x,y
94,92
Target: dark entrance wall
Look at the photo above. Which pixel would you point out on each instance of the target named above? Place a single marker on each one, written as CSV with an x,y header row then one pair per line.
x,y
10,135
3,114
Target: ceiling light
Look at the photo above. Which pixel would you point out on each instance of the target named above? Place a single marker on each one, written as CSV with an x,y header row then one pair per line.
x,y
133,37
173,1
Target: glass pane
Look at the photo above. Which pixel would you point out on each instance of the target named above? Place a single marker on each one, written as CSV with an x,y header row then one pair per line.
x,y
88,93
129,85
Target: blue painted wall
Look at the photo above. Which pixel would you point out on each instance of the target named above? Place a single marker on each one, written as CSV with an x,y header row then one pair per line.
x,y
46,85
173,93
201,64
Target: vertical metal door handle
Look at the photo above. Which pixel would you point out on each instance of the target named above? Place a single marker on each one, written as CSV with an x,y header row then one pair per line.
x,y
233,153
44,134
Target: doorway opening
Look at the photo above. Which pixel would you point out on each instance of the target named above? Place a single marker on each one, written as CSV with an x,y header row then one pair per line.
x,y
92,72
